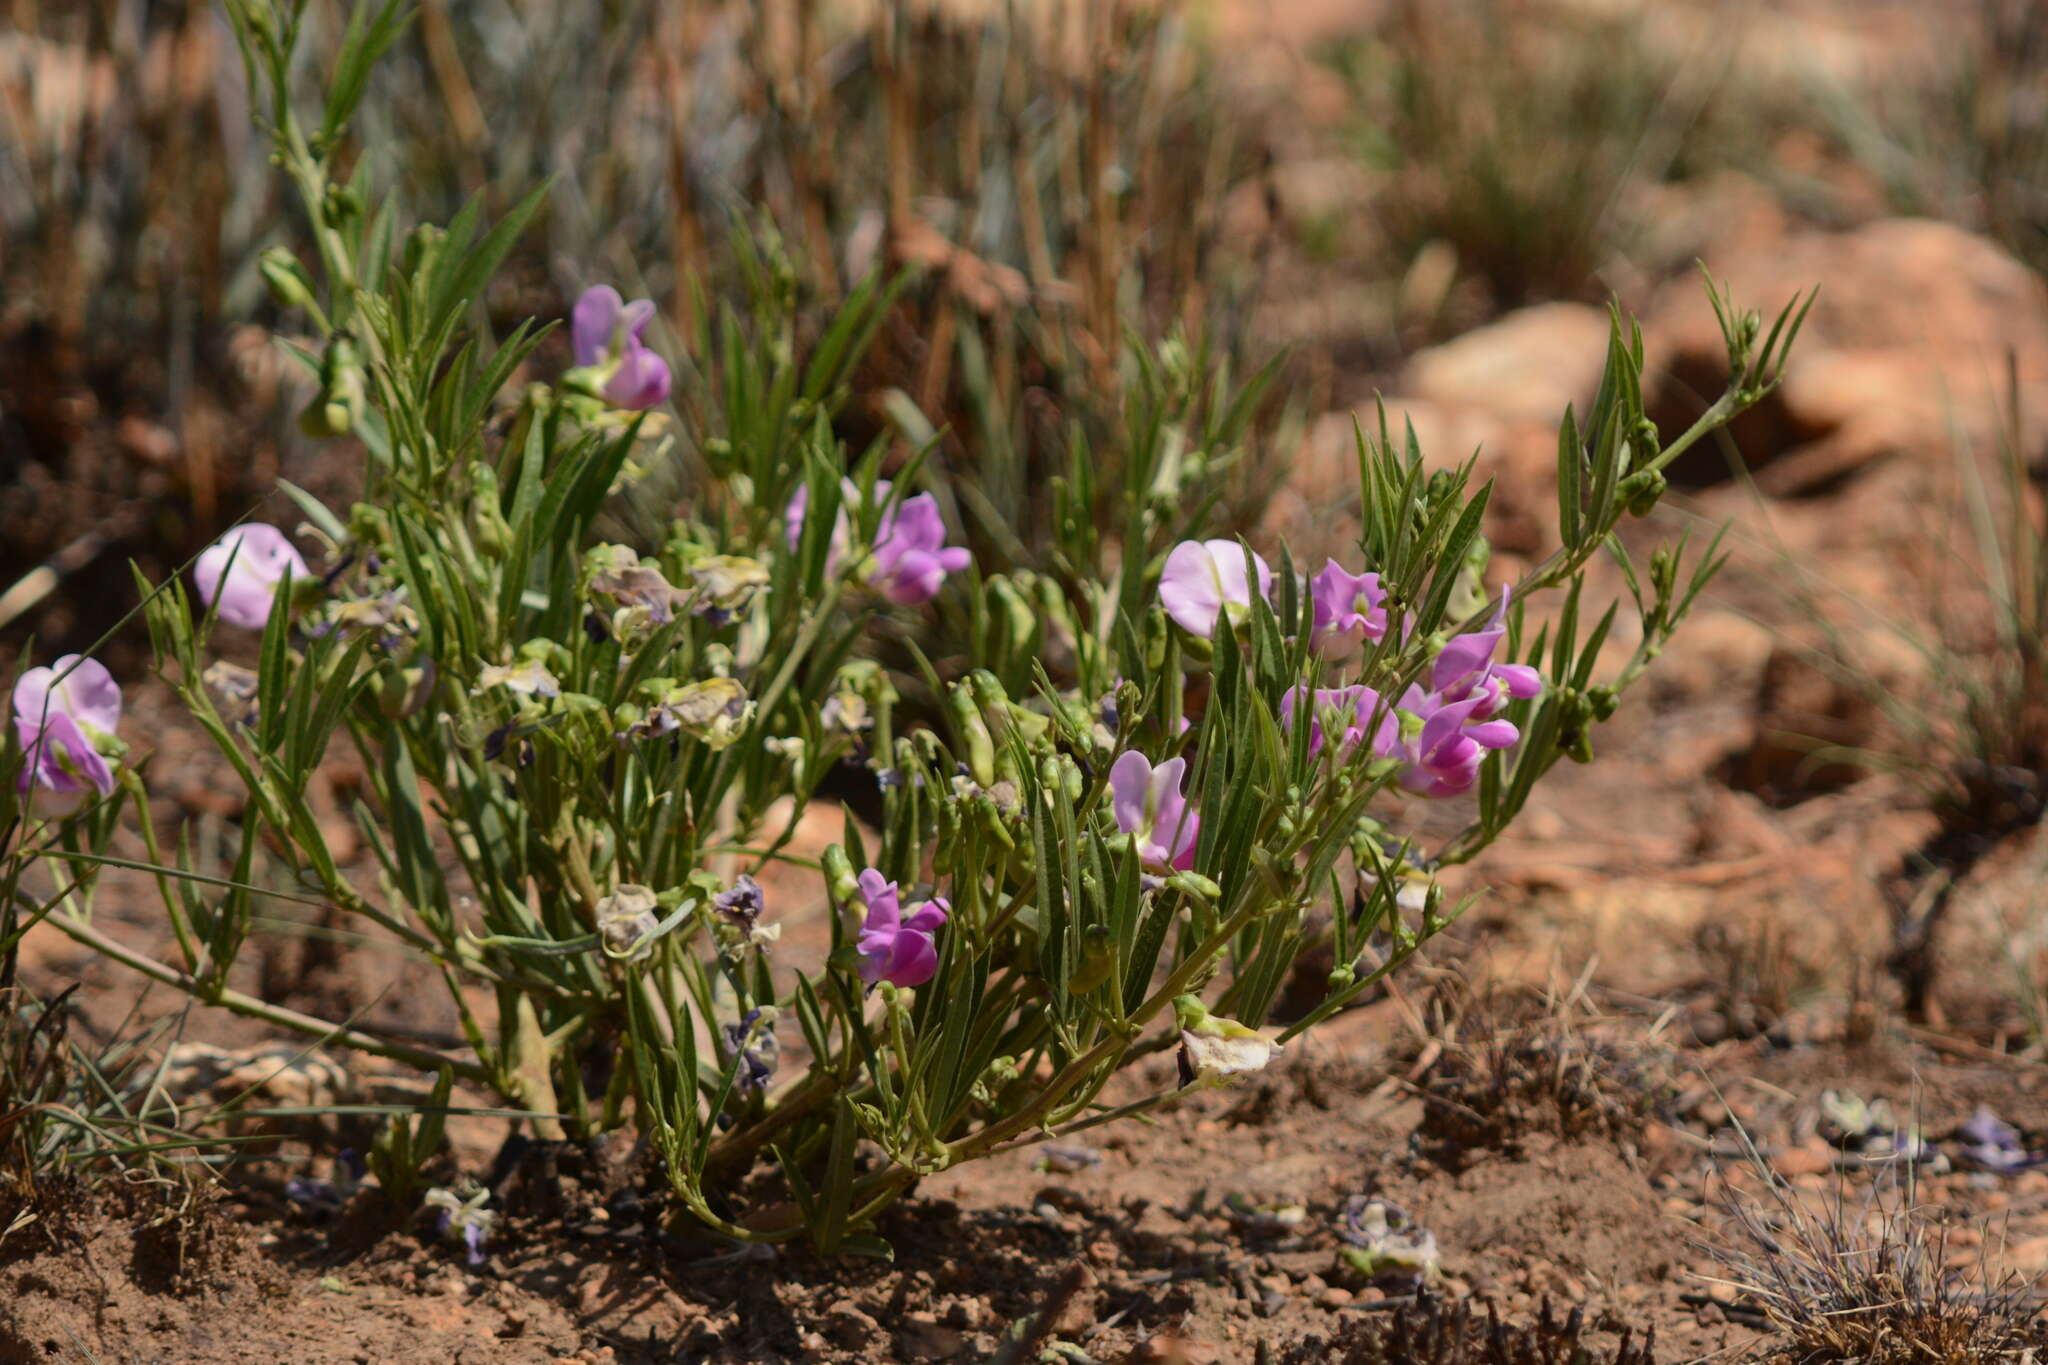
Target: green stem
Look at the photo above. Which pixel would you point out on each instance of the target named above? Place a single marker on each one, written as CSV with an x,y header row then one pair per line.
x,y
339,1034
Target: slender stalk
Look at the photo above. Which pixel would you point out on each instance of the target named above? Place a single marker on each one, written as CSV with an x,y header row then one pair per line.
x,y
278,1015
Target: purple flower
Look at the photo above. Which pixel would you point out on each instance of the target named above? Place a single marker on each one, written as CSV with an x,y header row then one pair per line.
x,y
892,948
1348,607
1444,756
1150,808
1992,1143
241,571
1205,579
606,330
1465,668
910,556
62,714
1357,704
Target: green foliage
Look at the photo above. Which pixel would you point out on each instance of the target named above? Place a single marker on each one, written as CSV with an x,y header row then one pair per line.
x,y
579,751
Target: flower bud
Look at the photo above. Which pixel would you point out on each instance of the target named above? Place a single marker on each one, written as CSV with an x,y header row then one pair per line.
x,y
286,278
340,206
981,749
339,405
1641,490
840,878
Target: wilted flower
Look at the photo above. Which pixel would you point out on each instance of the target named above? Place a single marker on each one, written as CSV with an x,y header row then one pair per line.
x,y
237,686
1846,1117
1150,807
1355,706
643,586
606,332
742,906
1347,607
240,572
1385,1241
752,1041
627,922
1205,579
725,585
909,558
846,712
1214,1049
714,711
464,1218
386,613
894,949
64,713
529,676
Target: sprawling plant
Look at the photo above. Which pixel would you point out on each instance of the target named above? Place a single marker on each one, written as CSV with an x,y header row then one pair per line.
x,y
1132,784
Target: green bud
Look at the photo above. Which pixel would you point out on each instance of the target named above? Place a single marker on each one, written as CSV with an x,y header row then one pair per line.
x,y
1155,641
840,878
1013,614
1640,491
489,529
1098,960
339,405
287,279
422,248
981,749
340,206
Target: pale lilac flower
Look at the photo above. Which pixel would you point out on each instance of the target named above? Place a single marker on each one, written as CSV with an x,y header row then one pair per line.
x,y
1465,668
62,714
606,330
463,1218
1348,607
910,556
1205,579
241,572
1992,1143
1357,705
1150,807
894,949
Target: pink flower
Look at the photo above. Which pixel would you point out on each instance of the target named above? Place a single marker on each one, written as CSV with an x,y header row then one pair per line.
x,y
62,713
1347,607
894,949
1356,705
1205,579
1465,668
1444,757
910,556
1150,808
242,569
606,330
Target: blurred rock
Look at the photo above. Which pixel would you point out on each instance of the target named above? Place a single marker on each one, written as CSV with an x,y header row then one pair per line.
x,y
1904,352
1525,368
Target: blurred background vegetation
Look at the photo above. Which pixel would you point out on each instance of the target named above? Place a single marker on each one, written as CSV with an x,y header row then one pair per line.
x,y
1344,183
